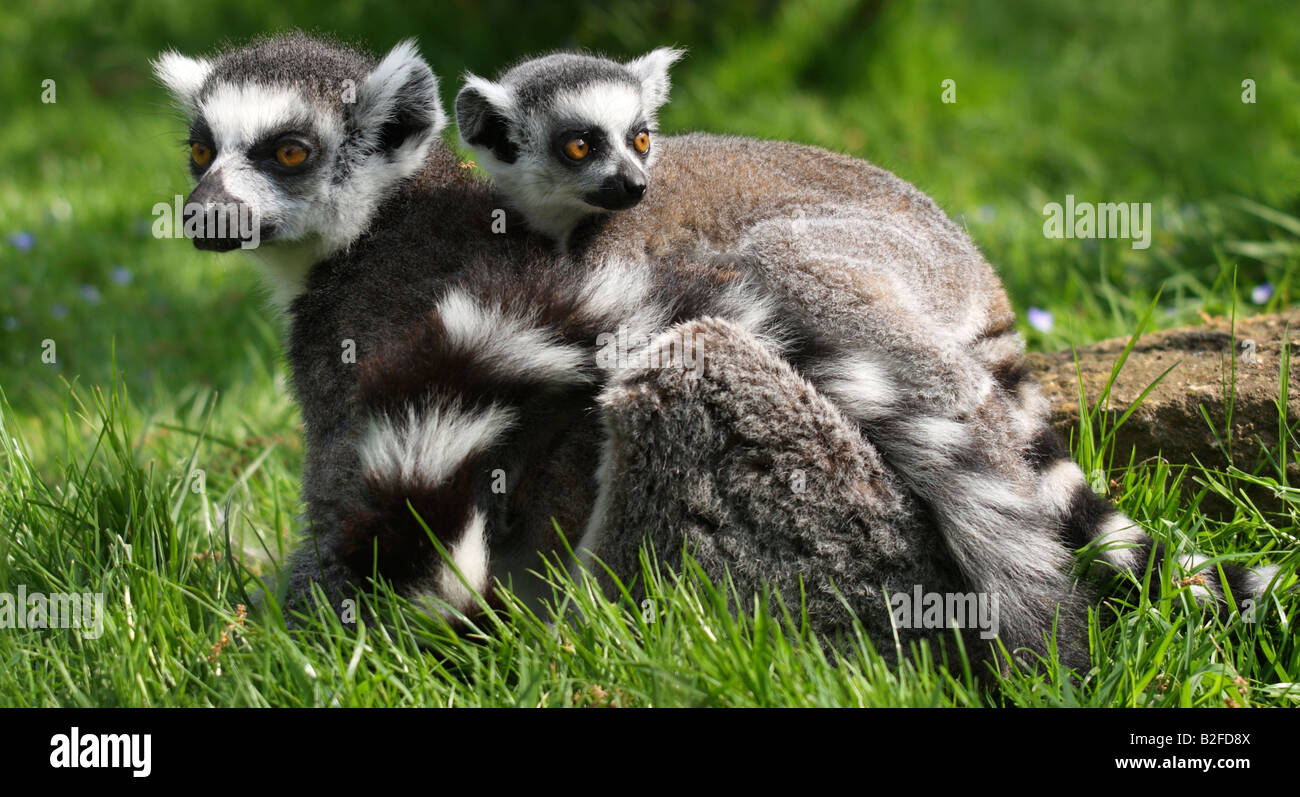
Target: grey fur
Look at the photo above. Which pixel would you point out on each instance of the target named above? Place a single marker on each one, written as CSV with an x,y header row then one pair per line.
x,y
374,292
872,271
534,82
312,67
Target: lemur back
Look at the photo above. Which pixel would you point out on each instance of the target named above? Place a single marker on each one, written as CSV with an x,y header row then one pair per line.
x,y
907,328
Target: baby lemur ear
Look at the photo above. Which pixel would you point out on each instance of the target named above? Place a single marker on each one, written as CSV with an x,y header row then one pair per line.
x,y
483,113
397,106
183,77
652,70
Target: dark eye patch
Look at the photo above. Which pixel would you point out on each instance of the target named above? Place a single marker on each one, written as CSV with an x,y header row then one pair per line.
x,y
596,140
637,129
200,133
262,152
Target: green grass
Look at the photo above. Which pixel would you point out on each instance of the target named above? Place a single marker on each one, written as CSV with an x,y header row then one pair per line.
x,y
162,438
180,630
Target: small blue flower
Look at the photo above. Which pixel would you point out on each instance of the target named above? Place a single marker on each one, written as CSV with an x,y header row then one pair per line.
x,y
22,240
121,275
1039,319
59,310
1262,293
90,294
11,323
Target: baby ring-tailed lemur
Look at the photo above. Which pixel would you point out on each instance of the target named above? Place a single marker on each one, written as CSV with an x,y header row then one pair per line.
x,y
567,135
434,360
893,313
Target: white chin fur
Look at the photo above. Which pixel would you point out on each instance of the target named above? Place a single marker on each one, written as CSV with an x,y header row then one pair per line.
x,y
285,266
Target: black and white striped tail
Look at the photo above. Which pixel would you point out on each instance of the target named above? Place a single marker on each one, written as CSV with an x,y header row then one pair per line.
x,y
1090,523
1010,503
1086,521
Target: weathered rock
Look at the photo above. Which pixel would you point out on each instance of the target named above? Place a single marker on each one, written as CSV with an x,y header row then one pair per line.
x,y
1169,423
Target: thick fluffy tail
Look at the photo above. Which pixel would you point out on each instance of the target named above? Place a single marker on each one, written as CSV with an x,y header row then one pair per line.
x,y
1085,520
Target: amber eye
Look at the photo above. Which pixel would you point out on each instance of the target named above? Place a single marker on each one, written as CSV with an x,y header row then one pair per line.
x,y
642,142
291,155
200,154
577,149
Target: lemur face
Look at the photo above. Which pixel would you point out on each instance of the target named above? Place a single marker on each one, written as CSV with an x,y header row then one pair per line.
x,y
303,137
567,135
600,145
262,151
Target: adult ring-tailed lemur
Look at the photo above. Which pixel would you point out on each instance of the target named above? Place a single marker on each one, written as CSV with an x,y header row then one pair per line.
x,y
375,236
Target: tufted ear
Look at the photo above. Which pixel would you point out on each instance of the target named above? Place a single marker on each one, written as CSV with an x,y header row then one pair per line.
x,y
483,113
182,76
652,70
397,105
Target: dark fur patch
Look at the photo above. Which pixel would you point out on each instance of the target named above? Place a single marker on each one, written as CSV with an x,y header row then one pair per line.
x,y
425,370
402,126
386,536
1084,517
315,67
1010,373
485,127
997,328
1045,449
1148,554
1237,577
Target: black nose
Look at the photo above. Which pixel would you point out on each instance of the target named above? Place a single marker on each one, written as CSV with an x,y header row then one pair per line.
x,y
618,192
216,217
634,187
